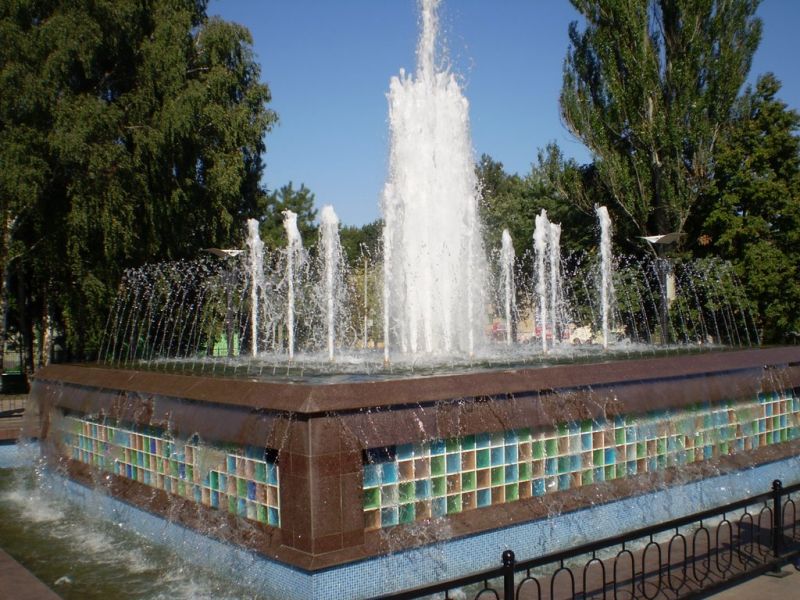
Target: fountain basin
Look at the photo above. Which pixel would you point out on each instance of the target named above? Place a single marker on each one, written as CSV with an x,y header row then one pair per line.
x,y
320,477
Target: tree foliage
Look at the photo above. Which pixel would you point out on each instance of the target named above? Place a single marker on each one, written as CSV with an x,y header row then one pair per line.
x,y
751,215
647,87
511,201
367,238
301,202
131,132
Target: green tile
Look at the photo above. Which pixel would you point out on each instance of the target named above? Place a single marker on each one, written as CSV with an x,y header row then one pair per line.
x,y
231,502
468,442
610,472
619,436
538,449
586,426
454,504
453,445
262,513
524,434
551,447
587,477
372,498
525,471
261,472
562,429
484,458
407,513
407,492
439,486
498,475
598,458
512,492
468,481
437,465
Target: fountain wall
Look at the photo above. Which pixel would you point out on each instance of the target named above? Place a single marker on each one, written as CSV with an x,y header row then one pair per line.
x,y
317,476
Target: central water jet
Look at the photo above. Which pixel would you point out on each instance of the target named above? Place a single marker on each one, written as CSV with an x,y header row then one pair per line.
x,y
434,262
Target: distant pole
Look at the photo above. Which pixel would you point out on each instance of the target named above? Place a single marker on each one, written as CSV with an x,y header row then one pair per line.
x,y
365,300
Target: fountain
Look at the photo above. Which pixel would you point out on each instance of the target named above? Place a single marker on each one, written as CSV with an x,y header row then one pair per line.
x,y
606,286
255,257
294,254
331,254
507,274
347,471
434,266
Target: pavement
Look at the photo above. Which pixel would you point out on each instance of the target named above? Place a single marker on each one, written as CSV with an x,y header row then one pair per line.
x,y
766,587
17,583
12,409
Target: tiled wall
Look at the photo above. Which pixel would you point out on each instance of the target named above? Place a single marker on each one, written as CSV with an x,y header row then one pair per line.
x,y
240,479
412,482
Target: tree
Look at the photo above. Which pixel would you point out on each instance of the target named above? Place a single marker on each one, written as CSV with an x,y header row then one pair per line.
x,y
368,238
513,201
647,86
751,215
299,201
130,133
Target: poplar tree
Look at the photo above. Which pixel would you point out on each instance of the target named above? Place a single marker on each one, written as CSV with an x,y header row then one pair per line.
x,y
647,87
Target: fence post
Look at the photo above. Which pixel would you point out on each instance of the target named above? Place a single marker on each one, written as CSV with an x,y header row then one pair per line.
x,y
508,574
777,520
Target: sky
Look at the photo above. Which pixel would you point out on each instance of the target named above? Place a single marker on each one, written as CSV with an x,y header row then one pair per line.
x,y
328,64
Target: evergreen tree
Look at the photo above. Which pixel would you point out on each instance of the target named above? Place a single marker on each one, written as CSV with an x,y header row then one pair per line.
x,y
129,132
751,216
299,201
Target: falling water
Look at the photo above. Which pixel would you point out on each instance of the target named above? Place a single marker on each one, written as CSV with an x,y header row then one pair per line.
x,y
255,262
554,250
606,283
294,248
331,252
540,235
507,273
434,264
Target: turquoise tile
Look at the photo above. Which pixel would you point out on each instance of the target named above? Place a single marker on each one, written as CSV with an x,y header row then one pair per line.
x,y
389,516
453,463
439,507
511,473
498,456
422,489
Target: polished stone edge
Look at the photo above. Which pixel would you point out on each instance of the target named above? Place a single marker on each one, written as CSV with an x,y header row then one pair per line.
x,y
312,398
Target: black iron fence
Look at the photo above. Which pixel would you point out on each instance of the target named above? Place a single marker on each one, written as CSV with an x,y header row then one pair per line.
x,y
690,557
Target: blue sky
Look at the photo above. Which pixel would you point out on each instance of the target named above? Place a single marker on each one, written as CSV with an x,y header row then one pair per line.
x,y
328,65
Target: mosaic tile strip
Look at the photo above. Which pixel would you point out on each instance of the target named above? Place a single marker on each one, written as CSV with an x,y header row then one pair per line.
x,y
240,479
413,482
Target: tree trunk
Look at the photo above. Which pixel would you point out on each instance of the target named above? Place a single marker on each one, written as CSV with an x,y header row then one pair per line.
x,y
4,270
45,333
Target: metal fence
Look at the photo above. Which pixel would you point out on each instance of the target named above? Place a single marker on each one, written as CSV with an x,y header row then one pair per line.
x,y
690,557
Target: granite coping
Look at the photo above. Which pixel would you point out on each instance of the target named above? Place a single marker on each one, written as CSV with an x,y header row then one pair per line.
x,y
320,398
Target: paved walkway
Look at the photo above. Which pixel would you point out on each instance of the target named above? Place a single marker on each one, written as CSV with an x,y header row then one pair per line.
x,y
11,415
765,587
17,583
